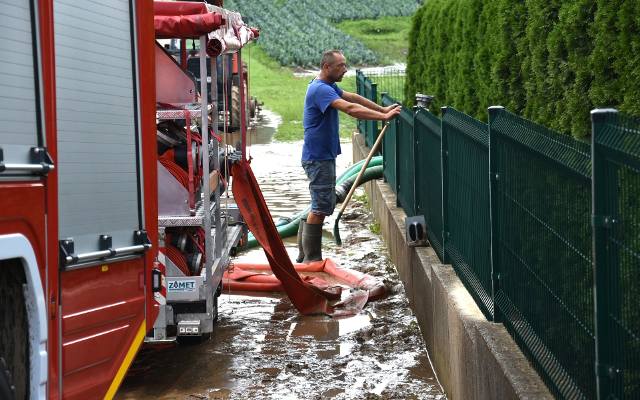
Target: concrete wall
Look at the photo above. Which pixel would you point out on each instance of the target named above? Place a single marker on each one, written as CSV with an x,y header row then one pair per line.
x,y
473,358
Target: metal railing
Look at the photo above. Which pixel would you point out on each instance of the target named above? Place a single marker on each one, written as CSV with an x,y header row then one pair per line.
x,y
389,79
369,90
616,245
541,248
545,244
465,196
390,149
428,174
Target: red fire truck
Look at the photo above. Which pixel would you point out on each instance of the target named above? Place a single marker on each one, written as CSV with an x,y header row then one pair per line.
x,y
79,195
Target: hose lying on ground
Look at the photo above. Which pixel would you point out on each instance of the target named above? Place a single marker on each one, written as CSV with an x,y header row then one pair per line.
x,y
369,174
289,227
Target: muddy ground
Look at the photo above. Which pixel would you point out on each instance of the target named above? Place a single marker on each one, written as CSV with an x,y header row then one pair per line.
x,y
263,349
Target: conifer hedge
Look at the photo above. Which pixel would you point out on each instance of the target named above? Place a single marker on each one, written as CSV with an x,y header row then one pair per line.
x,y
551,61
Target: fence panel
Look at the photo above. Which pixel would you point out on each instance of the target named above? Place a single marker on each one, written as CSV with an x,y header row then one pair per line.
x,y
360,90
616,227
541,211
405,162
465,168
371,127
389,150
428,175
367,89
389,80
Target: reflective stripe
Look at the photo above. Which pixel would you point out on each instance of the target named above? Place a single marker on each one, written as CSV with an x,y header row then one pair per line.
x,y
126,363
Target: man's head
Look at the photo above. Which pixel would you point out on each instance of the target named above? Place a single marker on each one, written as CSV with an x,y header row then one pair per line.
x,y
333,65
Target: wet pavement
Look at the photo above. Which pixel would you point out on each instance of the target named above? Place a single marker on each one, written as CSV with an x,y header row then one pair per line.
x,y
262,348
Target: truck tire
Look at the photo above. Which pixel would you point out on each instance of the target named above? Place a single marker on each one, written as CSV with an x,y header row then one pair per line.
x,y
235,107
14,330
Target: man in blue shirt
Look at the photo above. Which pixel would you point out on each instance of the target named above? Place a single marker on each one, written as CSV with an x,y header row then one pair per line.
x,y
322,144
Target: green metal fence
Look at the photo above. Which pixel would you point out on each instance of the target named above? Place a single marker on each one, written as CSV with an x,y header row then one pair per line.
x,y
405,148
389,149
389,80
465,191
545,244
360,78
541,237
369,90
616,233
428,174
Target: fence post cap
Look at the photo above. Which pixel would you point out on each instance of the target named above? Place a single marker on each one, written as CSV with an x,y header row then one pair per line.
x,y
599,114
423,100
493,110
444,109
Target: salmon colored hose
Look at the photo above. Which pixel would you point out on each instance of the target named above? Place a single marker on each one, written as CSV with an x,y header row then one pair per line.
x,y
306,298
254,277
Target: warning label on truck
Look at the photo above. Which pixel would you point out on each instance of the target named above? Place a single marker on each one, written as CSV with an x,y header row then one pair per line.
x,y
182,286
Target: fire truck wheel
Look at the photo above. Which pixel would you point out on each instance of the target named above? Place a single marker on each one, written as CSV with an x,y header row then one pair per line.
x,y
14,337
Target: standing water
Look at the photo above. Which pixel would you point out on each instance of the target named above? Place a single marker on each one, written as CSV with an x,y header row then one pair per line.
x,y
262,348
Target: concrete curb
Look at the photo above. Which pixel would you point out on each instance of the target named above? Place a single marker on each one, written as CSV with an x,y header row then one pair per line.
x,y
473,358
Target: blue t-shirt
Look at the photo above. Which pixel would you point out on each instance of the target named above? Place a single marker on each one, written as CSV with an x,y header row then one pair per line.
x,y
320,122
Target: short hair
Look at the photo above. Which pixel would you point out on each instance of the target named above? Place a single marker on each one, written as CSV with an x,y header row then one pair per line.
x,y
329,56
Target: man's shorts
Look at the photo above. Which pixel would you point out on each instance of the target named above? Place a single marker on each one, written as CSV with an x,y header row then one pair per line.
x,y
322,185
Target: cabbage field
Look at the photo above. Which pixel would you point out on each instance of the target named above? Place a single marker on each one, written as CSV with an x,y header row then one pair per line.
x,y
296,32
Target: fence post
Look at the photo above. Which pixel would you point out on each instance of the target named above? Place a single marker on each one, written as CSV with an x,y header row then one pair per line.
x,y
444,155
494,179
397,158
414,148
359,91
384,159
374,124
367,123
609,379
367,94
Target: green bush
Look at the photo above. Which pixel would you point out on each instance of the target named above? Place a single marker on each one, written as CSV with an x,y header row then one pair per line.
x,y
551,61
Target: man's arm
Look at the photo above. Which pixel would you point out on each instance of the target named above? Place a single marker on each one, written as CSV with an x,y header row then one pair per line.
x,y
361,112
356,98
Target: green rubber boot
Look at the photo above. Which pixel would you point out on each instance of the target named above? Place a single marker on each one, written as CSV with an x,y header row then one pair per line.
x,y
312,243
300,257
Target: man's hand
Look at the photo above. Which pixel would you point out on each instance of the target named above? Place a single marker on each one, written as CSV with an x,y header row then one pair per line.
x,y
392,111
389,108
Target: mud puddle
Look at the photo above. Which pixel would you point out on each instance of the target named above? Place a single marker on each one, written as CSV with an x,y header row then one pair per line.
x,y
261,129
262,348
